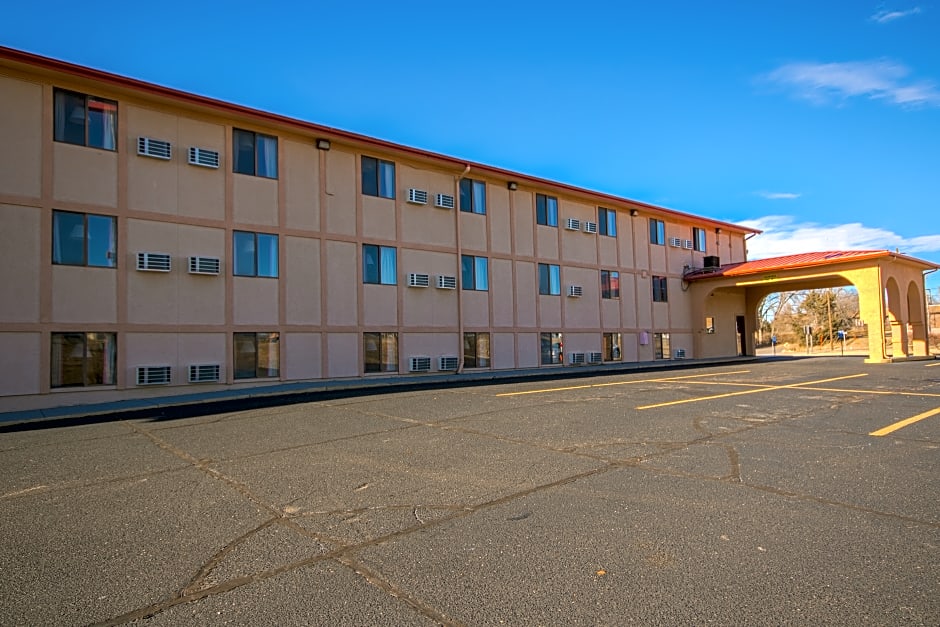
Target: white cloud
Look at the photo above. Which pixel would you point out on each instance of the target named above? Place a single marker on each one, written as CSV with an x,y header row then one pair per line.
x,y
879,80
883,17
783,235
779,195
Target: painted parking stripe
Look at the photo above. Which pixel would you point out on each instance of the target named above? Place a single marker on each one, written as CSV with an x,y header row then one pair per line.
x,y
601,385
903,423
769,388
932,365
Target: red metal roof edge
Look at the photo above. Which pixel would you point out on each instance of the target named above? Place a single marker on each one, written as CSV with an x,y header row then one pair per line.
x,y
49,63
823,258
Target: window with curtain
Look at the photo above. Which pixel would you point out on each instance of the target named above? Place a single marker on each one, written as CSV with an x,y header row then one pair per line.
x,y
472,196
380,352
476,350
81,359
551,348
255,254
474,273
657,232
378,177
661,347
257,355
379,264
254,154
84,239
659,289
698,239
84,120
549,279
607,222
612,349
546,210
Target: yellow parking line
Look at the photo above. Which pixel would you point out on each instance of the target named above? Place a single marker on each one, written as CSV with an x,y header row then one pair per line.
x,y
932,365
905,422
600,385
769,388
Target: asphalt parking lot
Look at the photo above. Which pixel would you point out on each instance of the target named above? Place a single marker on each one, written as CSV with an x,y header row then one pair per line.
x,y
795,492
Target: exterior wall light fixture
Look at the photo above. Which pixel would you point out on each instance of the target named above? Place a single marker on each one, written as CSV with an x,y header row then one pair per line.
x,y
323,144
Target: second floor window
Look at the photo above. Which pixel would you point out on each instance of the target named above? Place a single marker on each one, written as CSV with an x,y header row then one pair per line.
x,y
657,232
546,210
549,279
607,222
698,239
659,289
254,154
378,177
473,273
610,284
379,264
472,196
255,254
84,239
85,120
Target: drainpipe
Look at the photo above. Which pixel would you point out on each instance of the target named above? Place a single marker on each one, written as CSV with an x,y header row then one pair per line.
x,y
457,180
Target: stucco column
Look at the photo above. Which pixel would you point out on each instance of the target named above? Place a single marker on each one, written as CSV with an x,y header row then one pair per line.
x,y
872,311
919,337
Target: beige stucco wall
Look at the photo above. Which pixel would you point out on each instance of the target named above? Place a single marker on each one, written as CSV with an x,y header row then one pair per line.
x,y
19,363
303,290
20,263
300,170
300,356
21,130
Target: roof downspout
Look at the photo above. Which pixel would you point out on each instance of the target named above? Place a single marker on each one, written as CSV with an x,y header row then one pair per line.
x,y
457,180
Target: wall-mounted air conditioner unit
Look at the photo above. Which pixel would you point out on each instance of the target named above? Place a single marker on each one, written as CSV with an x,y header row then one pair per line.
x,y
444,201
204,265
447,362
445,282
574,291
590,227
576,358
156,148
153,375
203,157
417,196
419,364
573,225
204,373
675,242
418,280
595,358
153,262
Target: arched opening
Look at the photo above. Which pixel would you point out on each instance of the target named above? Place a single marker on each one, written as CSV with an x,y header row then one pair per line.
x,y
821,320
915,320
895,321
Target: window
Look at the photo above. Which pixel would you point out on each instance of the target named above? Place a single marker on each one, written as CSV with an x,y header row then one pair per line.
x,y
549,279
378,177
476,350
552,349
380,351
546,210
80,359
472,196
607,222
379,264
612,350
661,345
473,273
255,254
85,120
610,284
84,239
709,324
659,289
254,154
657,232
257,355
698,239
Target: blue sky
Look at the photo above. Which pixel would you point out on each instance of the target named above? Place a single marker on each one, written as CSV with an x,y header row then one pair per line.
x,y
818,122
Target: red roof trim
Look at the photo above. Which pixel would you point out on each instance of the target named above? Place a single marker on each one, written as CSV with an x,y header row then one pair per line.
x,y
330,132
802,260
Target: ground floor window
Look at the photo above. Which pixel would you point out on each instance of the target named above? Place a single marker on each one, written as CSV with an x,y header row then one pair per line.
x,y
661,345
552,349
380,351
612,350
257,355
80,359
476,350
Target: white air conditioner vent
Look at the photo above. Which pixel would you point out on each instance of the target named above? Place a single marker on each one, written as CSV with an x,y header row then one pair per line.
x,y
153,375
675,242
156,148
153,262
595,358
574,291
679,353
444,201
204,265
445,282
418,280
590,227
203,157
576,358
419,364
572,224
204,373
417,196
687,244
447,362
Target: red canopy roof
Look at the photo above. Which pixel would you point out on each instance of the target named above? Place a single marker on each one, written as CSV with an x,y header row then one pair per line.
x,y
802,260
